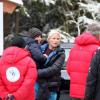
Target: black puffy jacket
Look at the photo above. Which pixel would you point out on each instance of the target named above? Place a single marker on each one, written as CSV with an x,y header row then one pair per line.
x,y
51,71
93,80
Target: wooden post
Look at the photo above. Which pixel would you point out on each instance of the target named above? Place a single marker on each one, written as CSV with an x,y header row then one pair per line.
x,y
17,23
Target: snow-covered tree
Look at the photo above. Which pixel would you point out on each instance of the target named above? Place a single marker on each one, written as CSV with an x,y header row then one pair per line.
x,y
69,16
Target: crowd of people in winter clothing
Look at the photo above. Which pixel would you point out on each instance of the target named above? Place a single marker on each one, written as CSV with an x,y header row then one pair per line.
x,y
31,69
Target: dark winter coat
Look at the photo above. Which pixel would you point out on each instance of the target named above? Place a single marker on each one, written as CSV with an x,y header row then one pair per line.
x,y
93,80
50,73
35,50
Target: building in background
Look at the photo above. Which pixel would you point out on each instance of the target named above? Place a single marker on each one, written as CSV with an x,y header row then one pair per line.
x,y
10,5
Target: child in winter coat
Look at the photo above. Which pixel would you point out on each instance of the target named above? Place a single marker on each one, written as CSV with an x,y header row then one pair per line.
x,y
17,72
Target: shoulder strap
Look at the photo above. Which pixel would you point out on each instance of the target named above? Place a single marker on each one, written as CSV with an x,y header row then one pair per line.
x,y
54,58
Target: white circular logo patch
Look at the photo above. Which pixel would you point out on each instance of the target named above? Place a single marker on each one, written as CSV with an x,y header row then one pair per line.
x,y
12,74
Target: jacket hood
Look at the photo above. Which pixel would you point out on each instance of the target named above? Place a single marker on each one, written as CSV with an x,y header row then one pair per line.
x,y
28,40
86,38
14,54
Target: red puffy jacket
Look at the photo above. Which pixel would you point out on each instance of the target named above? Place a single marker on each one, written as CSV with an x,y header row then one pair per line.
x,y
17,74
79,62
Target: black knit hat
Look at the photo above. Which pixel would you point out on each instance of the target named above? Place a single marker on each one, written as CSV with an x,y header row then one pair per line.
x,y
18,41
35,32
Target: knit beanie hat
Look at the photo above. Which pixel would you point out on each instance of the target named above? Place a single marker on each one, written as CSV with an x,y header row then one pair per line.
x,y
18,42
35,32
94,28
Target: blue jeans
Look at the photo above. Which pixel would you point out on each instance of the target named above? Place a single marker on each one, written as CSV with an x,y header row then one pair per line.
x,y
52,96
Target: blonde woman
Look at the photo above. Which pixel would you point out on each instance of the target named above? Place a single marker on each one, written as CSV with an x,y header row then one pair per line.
x,y
49,73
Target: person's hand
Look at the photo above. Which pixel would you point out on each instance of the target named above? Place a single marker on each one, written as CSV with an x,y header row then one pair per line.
x,y
45,55
9,97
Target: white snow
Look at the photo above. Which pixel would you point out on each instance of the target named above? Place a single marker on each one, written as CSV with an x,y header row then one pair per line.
x,y
86,20
20,2
93,7
49,1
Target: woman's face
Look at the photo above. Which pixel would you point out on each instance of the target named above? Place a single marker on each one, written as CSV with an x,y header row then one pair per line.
x,y
54,41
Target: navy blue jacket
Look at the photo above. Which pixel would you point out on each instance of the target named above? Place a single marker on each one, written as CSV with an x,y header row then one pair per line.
x,y
35,50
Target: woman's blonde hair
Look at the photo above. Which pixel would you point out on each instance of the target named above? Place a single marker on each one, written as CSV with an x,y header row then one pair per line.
x,y
52,32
